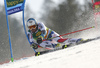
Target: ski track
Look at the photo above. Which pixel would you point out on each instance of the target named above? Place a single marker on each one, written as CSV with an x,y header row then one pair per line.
x,y
86,55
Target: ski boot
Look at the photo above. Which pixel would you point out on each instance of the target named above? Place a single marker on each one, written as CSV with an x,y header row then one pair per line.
x,y
65,46
80,40
37,53
56,45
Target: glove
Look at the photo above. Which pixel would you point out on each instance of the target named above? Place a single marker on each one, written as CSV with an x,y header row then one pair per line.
x,y
39,40
34,46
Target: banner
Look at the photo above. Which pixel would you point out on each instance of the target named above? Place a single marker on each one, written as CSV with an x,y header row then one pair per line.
x,y
96,7
14,6
96,11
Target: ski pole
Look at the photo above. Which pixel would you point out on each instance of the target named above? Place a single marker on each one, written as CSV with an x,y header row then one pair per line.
x,y
24,25
77,31
71,33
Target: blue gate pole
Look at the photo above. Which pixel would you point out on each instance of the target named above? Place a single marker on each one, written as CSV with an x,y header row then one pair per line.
x,y
8,31
24,24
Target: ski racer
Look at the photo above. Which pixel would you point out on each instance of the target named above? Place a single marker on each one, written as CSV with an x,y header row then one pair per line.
x,y
38,32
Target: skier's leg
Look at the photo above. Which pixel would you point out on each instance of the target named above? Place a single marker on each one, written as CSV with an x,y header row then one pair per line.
x,y
59,39
70,40
56,37
46,44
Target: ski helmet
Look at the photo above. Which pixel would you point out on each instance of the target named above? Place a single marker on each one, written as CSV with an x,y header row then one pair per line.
x,y
31,23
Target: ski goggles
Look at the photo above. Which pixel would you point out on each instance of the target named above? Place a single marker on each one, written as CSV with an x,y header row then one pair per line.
x,y
32,27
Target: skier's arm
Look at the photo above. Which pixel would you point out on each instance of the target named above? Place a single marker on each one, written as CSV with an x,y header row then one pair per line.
x,y
43,29
32,43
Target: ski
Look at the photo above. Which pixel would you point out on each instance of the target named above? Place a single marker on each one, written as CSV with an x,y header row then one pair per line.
x,y
88,40
66,46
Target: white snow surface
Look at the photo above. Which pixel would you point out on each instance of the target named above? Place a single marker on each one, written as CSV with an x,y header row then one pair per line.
x,y
86,55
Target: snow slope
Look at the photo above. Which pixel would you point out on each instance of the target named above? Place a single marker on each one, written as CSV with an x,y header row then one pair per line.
x,y
81,56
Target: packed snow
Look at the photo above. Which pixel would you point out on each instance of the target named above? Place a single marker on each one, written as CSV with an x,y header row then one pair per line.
x,y
86,55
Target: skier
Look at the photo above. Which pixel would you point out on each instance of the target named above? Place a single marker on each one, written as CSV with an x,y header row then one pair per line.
x,y
38,32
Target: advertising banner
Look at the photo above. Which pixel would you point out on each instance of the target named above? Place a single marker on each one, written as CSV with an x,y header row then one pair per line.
x,y
14,6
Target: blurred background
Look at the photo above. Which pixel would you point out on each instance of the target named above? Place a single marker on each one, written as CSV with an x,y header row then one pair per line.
x,y
62,16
